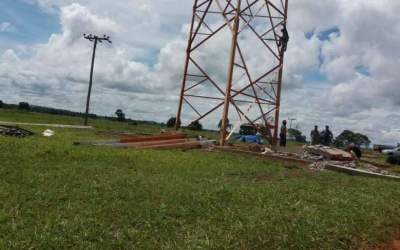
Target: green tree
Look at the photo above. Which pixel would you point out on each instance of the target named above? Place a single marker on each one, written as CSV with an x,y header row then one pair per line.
x,y
347,137
195,126
24,106
1,104
297,134
171,122
120,115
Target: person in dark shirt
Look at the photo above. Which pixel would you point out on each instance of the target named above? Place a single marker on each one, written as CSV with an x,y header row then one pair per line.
x,y
315,136
355,150
283,134
327,137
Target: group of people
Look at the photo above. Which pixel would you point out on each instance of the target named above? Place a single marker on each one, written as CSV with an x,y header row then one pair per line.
x,y
317,138
325,137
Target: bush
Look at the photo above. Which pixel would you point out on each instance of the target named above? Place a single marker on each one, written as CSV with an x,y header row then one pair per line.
x,y
171,122
299,137
195,126
24,106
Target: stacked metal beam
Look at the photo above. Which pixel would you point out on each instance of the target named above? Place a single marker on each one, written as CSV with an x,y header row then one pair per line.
x,y
162,141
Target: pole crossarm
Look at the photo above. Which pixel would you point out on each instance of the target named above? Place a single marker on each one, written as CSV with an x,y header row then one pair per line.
x,y
234,58
92,38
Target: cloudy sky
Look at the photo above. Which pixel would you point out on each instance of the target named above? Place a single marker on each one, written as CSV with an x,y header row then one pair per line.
x,y
342,65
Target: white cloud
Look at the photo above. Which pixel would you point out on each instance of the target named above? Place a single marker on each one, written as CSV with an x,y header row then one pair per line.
x,y
369,37
7,27
60,68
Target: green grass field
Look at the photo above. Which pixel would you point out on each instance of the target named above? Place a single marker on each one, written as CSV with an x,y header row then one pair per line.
x,y
54,195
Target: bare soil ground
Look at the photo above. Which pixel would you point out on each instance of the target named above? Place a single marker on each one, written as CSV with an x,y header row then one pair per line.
x,y
394,245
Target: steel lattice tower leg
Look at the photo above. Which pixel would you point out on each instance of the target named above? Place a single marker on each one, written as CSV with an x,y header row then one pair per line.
x,y
253,61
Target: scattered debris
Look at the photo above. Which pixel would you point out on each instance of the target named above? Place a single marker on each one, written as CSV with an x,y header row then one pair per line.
x,y
267,151
319,160
48,133
322,165
14,131
311,157
318,166
329,153
361,172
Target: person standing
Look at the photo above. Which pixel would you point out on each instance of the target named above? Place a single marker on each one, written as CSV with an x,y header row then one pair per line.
x,y
315,136
327,137
355,150
283,134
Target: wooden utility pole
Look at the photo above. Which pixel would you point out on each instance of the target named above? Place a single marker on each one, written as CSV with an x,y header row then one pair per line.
x,y
95,40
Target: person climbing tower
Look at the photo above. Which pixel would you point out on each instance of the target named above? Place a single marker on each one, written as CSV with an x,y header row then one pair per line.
x,y
284,40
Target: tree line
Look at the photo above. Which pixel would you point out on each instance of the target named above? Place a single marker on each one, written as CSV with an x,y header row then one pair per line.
x,y
345,138
25,106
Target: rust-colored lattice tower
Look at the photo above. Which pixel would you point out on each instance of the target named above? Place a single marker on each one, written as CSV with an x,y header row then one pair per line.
x,y
234,64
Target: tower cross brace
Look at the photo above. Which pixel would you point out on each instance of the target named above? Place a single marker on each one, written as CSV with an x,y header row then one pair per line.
x,y
253,61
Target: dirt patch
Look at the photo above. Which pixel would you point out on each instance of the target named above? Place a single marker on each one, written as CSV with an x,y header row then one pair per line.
x,y
394,245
